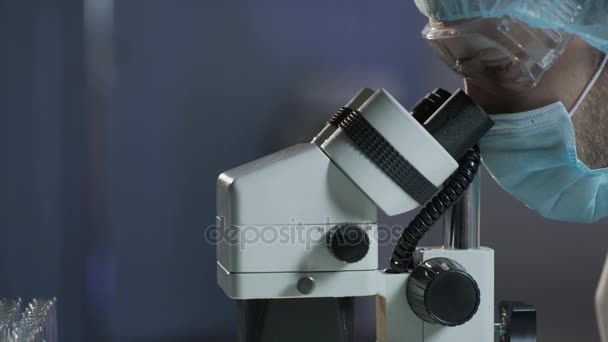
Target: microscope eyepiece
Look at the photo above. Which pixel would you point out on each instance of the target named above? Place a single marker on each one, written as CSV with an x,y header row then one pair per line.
x,y
429,104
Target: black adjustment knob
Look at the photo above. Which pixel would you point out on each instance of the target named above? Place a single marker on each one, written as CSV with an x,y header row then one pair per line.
x,y
348,242
517,322
440,291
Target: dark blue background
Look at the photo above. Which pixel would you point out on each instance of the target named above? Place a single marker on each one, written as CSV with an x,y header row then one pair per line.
x,y
109,156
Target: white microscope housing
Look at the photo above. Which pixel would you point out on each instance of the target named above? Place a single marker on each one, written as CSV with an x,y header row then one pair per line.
x,y
281,219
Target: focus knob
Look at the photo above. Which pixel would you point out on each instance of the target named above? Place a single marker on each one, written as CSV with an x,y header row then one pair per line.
x,y
440,291
348,243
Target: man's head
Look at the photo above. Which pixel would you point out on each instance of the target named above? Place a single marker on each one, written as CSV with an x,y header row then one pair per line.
x,y
496,84
534,64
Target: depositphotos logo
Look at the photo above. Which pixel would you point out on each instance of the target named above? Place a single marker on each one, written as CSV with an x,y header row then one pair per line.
x,y
294,234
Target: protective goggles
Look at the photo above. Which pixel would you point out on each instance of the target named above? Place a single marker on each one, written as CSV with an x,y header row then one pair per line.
x,y
505,52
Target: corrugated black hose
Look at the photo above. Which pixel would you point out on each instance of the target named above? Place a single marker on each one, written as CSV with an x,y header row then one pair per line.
x,y
452,191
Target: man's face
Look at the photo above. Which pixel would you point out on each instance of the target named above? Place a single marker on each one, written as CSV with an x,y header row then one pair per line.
x,y
494,93
564,81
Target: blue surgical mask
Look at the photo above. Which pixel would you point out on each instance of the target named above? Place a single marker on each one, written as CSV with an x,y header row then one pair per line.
x,y
532,155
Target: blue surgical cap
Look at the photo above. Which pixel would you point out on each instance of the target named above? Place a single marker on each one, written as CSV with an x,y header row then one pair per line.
x,y
585,18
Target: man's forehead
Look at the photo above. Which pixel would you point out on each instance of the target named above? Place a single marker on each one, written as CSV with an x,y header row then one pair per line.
x,y
445,23
478,24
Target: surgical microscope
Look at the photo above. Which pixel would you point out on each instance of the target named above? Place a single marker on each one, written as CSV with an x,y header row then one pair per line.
x,y
298,234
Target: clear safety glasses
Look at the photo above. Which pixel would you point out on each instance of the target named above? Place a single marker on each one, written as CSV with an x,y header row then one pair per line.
x,y
506,52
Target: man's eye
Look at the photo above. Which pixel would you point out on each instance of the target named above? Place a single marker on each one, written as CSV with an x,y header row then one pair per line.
x,y
502,72
498,65
498,69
